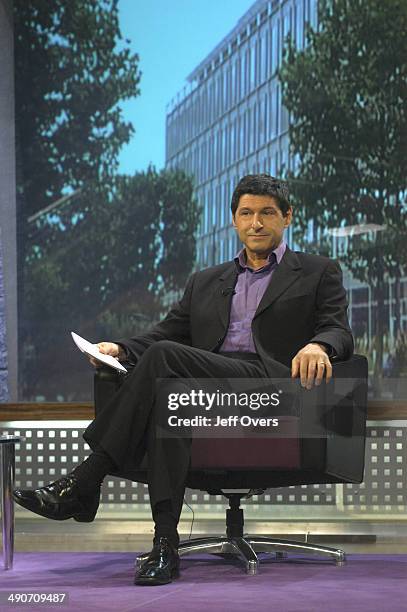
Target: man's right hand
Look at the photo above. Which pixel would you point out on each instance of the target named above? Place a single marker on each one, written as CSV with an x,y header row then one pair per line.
x,y
107,348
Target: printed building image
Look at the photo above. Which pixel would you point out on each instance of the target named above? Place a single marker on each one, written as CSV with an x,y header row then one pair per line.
x,y
230,121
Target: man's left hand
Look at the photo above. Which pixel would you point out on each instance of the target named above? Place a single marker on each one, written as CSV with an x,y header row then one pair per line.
x,y
311,363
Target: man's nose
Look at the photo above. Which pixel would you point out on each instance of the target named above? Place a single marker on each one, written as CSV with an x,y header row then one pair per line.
x,y
257,222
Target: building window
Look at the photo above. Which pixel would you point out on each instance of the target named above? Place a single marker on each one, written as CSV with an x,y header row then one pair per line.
x,y
253,66
273,111
206,213
213,207
226,203
246,118
214,149
284,119
222,250
263,42
248,144
313,13
231,189
254,130
265,115
226,78
238,86
233,83
232,141
299,25
243,73
232,251
222,205
286,24
273,165
275,46
218,206
206,161
211,101
241,137
229,131
220,106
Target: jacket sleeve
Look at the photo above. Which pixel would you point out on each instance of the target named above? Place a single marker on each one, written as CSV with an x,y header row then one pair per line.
x,y
332,325
175,326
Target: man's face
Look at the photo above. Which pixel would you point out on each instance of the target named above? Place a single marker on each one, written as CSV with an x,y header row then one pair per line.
x,y
260,223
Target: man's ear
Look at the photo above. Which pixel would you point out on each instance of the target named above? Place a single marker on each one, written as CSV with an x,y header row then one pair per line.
x,y
288,217
233,221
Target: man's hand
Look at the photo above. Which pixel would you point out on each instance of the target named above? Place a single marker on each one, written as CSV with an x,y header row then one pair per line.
x,y
310,363
108,348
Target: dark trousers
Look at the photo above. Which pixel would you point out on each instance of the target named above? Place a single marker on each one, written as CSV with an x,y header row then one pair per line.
x,y
126,429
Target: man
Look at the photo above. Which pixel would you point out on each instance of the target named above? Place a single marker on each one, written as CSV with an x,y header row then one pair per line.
x,y
255,317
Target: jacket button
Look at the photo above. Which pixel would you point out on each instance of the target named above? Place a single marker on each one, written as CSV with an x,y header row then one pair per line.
x,y
220,339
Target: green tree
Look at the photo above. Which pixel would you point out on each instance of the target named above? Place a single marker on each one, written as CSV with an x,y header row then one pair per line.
x,y
346,94
103,265
72,69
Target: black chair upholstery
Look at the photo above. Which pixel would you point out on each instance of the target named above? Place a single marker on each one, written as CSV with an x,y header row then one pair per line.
x,y
324,443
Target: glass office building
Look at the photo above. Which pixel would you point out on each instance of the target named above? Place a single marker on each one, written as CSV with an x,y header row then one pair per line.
x,y
229,121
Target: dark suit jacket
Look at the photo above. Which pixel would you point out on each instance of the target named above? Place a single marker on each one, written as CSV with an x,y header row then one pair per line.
x,y
305,301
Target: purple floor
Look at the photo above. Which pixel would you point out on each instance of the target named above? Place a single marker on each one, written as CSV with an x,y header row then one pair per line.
x,y
104,582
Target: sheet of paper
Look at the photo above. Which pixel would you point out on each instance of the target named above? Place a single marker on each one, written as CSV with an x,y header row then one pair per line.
x,y
92,351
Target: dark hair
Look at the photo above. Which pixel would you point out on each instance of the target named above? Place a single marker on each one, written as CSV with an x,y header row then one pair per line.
x,y
262,184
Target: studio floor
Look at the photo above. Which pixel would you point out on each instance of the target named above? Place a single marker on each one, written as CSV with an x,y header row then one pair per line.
x,y
94,565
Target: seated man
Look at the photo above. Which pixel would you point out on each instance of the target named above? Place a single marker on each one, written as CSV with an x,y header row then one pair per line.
x,y
254,317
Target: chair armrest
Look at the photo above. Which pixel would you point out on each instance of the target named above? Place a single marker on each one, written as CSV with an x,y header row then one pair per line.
x,y
355,367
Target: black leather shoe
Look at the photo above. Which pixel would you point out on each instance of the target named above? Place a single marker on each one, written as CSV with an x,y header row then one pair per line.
x,y
59,500
161,565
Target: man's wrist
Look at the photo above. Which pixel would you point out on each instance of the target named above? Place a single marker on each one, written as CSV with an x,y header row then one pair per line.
x,y
324,347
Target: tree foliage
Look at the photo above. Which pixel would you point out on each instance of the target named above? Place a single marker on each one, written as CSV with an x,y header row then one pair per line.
x,y
346,93
103,272
72,69
98,252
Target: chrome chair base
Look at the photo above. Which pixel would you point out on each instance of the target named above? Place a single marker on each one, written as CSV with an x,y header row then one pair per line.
x,y
246,549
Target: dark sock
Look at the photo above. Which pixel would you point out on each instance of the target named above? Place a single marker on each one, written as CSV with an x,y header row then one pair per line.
x,y
91,472
165,523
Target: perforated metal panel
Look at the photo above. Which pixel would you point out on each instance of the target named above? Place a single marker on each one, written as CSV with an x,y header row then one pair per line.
x,y
52,449
384,485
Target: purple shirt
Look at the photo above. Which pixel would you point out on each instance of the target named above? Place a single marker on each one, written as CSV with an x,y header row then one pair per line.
x,y
250,288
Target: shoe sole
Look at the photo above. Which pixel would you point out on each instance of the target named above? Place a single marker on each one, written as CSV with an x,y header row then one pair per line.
x,y
154,582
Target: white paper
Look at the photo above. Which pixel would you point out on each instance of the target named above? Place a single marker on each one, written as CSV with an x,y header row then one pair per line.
x,y
92,351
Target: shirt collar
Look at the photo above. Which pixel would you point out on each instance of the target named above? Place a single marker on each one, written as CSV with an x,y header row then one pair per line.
x,y
273,258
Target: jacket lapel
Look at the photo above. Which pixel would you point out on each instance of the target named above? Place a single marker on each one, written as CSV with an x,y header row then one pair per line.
x,y
287,272
224,292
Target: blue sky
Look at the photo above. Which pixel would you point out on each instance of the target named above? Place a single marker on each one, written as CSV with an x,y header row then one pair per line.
x,y
171,37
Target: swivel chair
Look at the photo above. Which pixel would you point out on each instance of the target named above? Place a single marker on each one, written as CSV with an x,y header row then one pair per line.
x,y
240,468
